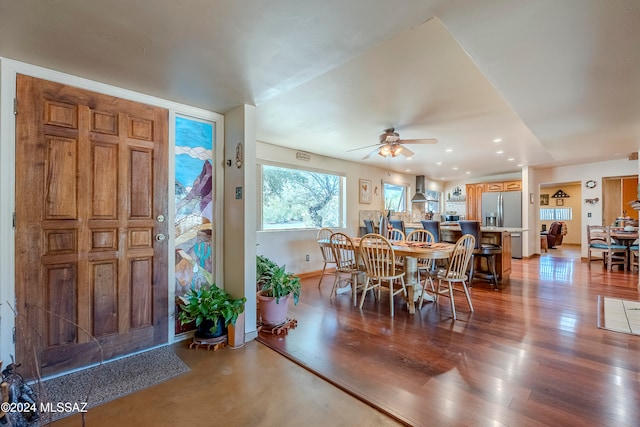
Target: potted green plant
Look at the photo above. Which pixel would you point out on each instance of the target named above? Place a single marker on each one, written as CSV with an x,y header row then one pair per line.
x,y
275,287
211,308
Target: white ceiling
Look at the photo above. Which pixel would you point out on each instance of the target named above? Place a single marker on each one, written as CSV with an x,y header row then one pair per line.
x,y
558,81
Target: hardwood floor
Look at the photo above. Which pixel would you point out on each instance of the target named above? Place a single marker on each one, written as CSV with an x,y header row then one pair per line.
x,y
529,355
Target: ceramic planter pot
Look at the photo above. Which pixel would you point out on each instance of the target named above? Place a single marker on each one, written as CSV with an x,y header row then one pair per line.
x,y
204,329
273,313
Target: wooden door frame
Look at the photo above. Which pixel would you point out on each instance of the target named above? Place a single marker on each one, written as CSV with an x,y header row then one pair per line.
x,y
8,72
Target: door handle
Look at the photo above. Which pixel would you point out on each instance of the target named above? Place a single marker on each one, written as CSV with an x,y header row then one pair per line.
x,y
160,237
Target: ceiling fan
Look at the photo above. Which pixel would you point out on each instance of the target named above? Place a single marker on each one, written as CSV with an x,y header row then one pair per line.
x,y
390,144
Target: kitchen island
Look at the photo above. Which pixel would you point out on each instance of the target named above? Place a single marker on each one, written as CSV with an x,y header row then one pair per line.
x,y
500,236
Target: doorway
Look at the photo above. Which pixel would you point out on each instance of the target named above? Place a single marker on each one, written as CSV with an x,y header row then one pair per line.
x,y
91,247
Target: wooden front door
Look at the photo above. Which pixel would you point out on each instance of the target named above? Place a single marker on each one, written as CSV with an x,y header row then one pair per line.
x,y
91,190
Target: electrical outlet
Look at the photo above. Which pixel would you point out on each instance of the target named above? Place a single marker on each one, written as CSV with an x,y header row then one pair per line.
x,y
307,257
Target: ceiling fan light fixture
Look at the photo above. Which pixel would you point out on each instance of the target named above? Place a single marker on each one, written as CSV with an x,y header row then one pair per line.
x,y
385,150
396,149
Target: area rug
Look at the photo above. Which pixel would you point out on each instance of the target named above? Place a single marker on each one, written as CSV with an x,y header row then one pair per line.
x,y
619,315
111,380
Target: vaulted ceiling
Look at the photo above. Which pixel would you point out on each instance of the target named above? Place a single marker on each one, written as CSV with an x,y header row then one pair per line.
x,y
557,81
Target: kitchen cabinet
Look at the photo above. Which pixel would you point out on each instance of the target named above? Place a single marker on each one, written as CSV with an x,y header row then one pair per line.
x,y
494,186
503,186
513,186
474,201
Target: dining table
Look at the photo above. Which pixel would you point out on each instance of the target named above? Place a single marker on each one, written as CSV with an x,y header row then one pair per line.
x,y
412,251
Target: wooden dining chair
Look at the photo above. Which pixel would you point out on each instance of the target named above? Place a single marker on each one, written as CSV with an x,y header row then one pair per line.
x,y
598,245
344,252
396,235
601,242
324,236
425,265
379,260
456,273
617,253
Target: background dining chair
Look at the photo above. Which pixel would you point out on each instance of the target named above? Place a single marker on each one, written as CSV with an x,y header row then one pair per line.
x,y
346,263
617,253
380,263
456,273
425,265
323,237
598,245
398,224
432,226
634,254
481,250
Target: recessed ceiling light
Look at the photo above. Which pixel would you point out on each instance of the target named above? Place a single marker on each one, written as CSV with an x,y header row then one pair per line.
x,y
511,159
468,172
500,152
438,163
442,178
449,150
407,170
520,165
455,168
497,140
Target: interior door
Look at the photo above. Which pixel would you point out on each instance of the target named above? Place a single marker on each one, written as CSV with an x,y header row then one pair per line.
x,y
91,261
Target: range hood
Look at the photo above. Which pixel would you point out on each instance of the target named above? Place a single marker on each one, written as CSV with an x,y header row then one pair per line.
x,y
419,197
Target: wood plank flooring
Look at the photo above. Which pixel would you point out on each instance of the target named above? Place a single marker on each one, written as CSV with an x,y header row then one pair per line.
x,y
530,354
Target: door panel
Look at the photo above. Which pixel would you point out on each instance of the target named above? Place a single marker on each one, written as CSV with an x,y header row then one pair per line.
x,y
90,181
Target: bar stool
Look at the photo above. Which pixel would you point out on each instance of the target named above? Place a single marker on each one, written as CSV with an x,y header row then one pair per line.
x,y
368,225
482,250
398,224
432,226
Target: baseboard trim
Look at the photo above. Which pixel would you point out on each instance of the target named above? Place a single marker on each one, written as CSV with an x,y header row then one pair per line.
x,y
308,274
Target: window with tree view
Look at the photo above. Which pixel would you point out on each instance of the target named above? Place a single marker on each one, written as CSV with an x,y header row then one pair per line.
x,y
296,198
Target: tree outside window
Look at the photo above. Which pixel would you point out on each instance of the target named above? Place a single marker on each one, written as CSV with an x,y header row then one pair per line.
x,y
296,198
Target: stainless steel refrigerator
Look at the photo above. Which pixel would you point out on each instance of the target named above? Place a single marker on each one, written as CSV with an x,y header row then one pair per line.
x,y
504,209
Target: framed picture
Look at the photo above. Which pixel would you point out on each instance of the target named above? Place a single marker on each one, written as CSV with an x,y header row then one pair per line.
x,y
544,200
365,191
559,202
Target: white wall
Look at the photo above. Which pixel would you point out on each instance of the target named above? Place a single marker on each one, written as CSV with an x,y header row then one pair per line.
x,y
291,247
240,211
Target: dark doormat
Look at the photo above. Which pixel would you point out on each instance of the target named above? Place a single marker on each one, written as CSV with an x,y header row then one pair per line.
x,y
106,382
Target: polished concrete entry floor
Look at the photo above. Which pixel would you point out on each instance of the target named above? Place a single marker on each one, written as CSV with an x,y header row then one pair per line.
x,y
250,386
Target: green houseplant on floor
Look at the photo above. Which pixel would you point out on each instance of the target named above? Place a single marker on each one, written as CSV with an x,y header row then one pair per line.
x,y
275,287
212,309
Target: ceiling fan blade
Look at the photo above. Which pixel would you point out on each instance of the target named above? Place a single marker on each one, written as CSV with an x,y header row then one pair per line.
x,y
371,153
406,152
419,141
366,146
